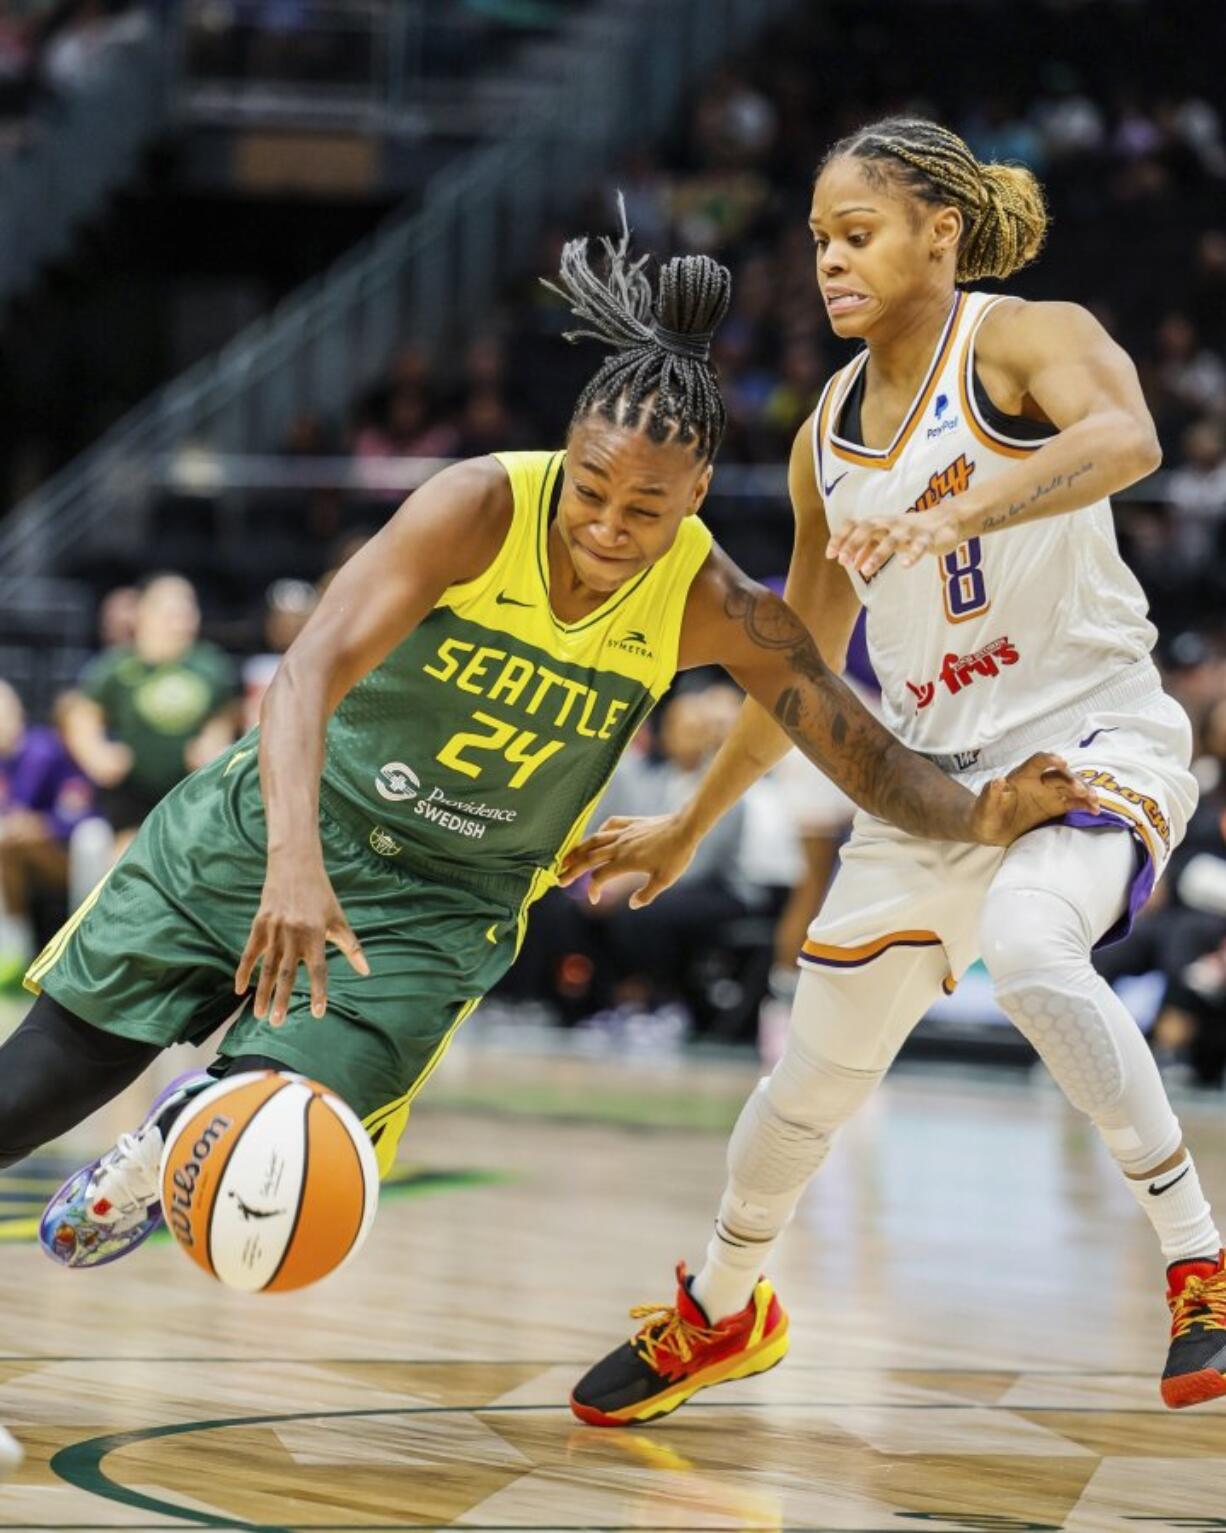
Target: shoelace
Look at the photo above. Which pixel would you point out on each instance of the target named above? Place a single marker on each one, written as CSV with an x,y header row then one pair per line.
x,y
1202,1302
666,1330
128,1177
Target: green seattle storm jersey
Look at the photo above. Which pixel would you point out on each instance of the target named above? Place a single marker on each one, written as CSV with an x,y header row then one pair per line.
x,y
476,752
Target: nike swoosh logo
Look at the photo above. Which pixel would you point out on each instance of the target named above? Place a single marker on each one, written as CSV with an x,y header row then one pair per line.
x,y
503,600
1089,739
830,488
1155,1192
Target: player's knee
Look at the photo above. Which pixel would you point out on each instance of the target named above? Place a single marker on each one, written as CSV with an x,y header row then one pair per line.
x,y
770,1157
1026,933
815,1093
19,1135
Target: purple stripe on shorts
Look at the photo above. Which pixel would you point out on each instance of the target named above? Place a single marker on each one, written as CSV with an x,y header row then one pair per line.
x,y
1142,885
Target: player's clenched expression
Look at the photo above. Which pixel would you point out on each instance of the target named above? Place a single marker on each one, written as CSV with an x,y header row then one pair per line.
x,y
882,252
623,500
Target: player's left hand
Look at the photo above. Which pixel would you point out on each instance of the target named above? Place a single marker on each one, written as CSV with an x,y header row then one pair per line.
x,y
868,546
1041,789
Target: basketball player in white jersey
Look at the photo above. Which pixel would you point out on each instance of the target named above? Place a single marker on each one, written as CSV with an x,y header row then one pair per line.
x,y
954,481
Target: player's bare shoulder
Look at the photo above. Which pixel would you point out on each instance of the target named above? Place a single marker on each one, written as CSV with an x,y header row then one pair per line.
x,y
1019,334
462,514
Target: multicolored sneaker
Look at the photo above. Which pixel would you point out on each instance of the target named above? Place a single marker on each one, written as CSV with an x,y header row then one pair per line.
x,y
1196,1364
110,1206
677,1352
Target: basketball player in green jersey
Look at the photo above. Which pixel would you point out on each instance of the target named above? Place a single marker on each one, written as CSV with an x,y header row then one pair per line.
x,y
430,748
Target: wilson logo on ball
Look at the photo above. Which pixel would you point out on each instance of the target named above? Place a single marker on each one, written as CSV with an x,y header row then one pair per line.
x,y
178,1210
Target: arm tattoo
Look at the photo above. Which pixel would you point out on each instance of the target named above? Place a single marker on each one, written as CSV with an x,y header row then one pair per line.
x,y
830,725
1040,492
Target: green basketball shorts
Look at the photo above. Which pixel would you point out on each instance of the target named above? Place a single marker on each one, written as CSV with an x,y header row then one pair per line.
x,y
151,954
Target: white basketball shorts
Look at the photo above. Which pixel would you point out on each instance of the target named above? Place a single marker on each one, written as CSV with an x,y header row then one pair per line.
x,y
1126,737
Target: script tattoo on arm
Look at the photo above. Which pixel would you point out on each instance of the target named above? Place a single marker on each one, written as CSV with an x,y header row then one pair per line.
x,y
1036,497
839,735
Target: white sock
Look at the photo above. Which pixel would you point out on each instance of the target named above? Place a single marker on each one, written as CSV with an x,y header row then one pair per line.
x,y
1176,1207
730,1272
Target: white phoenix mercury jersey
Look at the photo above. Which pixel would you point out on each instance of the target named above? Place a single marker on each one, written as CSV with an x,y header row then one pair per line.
x,y
1006,628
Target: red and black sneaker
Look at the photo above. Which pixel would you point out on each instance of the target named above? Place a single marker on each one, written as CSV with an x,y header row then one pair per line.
x,y
677,1352
1196,1364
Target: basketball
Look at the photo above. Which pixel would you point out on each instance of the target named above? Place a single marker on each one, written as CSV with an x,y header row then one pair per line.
x,y
269,1182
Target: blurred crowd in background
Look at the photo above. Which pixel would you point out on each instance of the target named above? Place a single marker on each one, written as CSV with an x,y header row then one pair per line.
x,y
1135,168
50,49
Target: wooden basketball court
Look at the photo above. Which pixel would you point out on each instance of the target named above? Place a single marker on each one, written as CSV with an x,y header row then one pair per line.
x,y
976,1307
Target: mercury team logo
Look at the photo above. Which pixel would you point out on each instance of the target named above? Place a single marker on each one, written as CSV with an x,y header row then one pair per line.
x,y
397,782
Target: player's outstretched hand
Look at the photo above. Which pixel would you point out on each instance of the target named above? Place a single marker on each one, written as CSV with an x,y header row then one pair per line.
x,y
1041,789
657,845
299,913
868,546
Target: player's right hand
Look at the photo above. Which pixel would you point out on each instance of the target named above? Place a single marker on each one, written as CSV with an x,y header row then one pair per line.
x,y
299,913
1043,788
658,845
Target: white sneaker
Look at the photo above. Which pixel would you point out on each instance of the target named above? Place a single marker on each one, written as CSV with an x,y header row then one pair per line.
x,y
108,1207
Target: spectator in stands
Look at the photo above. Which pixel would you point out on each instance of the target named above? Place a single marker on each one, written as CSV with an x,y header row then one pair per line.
x,y
16,61
1207,292
644,956
117,616
83,44
1189,371
1196,496
1069,122
1182,931
43,796
410,427
148,713
287,606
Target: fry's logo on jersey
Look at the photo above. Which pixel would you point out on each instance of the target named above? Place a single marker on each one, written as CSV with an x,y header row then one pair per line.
x,y
959,671
1148,807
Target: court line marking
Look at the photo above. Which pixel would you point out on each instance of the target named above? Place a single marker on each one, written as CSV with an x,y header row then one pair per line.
x,y
80,1464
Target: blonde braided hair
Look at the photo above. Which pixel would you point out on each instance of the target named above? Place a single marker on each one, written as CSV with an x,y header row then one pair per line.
x,y
1002,206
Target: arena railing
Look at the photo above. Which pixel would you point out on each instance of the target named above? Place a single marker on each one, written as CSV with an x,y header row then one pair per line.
x,y
427,277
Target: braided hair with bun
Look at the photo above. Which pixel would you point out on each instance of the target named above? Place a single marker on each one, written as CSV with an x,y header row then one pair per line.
x,y
1002,206
660,378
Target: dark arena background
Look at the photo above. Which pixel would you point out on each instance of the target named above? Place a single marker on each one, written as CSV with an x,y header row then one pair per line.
x,y
267,267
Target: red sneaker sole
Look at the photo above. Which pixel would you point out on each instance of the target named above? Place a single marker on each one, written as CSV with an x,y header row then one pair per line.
x,y
768,1354
1193,1388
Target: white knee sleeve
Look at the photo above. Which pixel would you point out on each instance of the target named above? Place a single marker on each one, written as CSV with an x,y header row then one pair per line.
x,y
1036,946
783,1135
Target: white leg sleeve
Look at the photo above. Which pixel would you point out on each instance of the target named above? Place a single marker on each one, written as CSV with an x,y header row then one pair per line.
x,y
846,1029
1057,891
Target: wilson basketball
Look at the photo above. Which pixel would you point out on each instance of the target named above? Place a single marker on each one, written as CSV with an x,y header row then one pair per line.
x,y
269,1182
